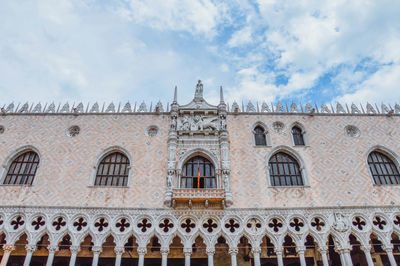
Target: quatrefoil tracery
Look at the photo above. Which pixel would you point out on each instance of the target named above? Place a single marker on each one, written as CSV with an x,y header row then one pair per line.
x,y
58,223
38,222
296,224
396,220
318,223
253,225
80,223
101,224
188,225
232,225
122,224
379,222
165,225
275,224
210,225
17,222
1,221
359,223
144,225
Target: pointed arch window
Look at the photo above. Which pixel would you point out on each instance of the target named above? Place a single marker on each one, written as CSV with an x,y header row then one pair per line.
x,y
383,169
113,170
198,172
285,170
22,170
298,138
259,136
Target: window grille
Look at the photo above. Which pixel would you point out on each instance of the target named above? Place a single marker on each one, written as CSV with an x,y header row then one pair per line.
x,y
259,135
284,170
383,170
298,137
113,170
22,170
198,166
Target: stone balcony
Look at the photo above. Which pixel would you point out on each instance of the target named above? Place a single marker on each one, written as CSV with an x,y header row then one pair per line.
x,y
206,195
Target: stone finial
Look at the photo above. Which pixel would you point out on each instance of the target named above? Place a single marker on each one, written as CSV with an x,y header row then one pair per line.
x,y
293,108
198,96
309,108
65,108
159,107
370,109
142,107
397,109
110,108
79,108
10,108
175,95
384,108
279,107
250,107
265,107
95,108
325,109
354,109
235,107
37,108
51,108
221,95
340,109
24,108
127,108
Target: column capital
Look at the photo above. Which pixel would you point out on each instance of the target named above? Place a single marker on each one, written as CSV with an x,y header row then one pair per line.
x,y
75,249
52,248
388,249
164,250
30,248
278,251
365,248
8,248
187,251
142,250
233,251
119,250
97,249
256,250
323,249
210,250
301,249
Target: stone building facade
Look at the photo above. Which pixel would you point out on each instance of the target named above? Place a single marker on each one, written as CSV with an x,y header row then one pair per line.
x,y
329,207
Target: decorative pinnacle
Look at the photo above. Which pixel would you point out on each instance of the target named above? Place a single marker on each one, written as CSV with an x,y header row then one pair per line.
x,y
198,96
221,94
175,95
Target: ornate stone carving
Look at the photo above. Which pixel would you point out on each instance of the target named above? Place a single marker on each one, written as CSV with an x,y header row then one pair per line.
x,y
370,109
265,107
340,224
325,109
127,108
110,108
95,108
198,122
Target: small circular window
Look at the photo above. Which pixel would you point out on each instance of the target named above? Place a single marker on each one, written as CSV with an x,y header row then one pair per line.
x,y
352,131
2,129
73,131
152,131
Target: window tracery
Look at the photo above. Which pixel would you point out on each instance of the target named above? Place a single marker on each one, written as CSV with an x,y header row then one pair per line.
x,y
298,138
113,170
198,172
23,169
383,169
284,170
259,136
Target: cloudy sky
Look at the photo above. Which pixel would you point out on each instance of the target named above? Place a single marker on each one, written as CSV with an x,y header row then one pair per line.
x,y
262,50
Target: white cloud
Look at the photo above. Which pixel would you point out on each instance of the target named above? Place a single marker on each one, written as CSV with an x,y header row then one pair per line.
x,y
241,37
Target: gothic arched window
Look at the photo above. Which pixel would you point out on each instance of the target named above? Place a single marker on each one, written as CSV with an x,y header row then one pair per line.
x,y
23,169
298,138
113,170
284,170
383,170
198,172
259,136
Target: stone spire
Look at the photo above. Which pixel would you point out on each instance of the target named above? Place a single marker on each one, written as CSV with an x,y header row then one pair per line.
x,y
198,96
221,95
175,95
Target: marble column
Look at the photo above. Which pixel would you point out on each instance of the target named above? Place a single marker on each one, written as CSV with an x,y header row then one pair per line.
x,y
164,255
342,257
347,256
141,251
367,252
210,254
30,249
52,250
7,251
74,252
188,253
300,251
233,252
256,255
118,255
279,256
389,252
96,253
323,251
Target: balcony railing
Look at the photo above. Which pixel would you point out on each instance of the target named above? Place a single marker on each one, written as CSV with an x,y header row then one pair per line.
x,y
198,194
